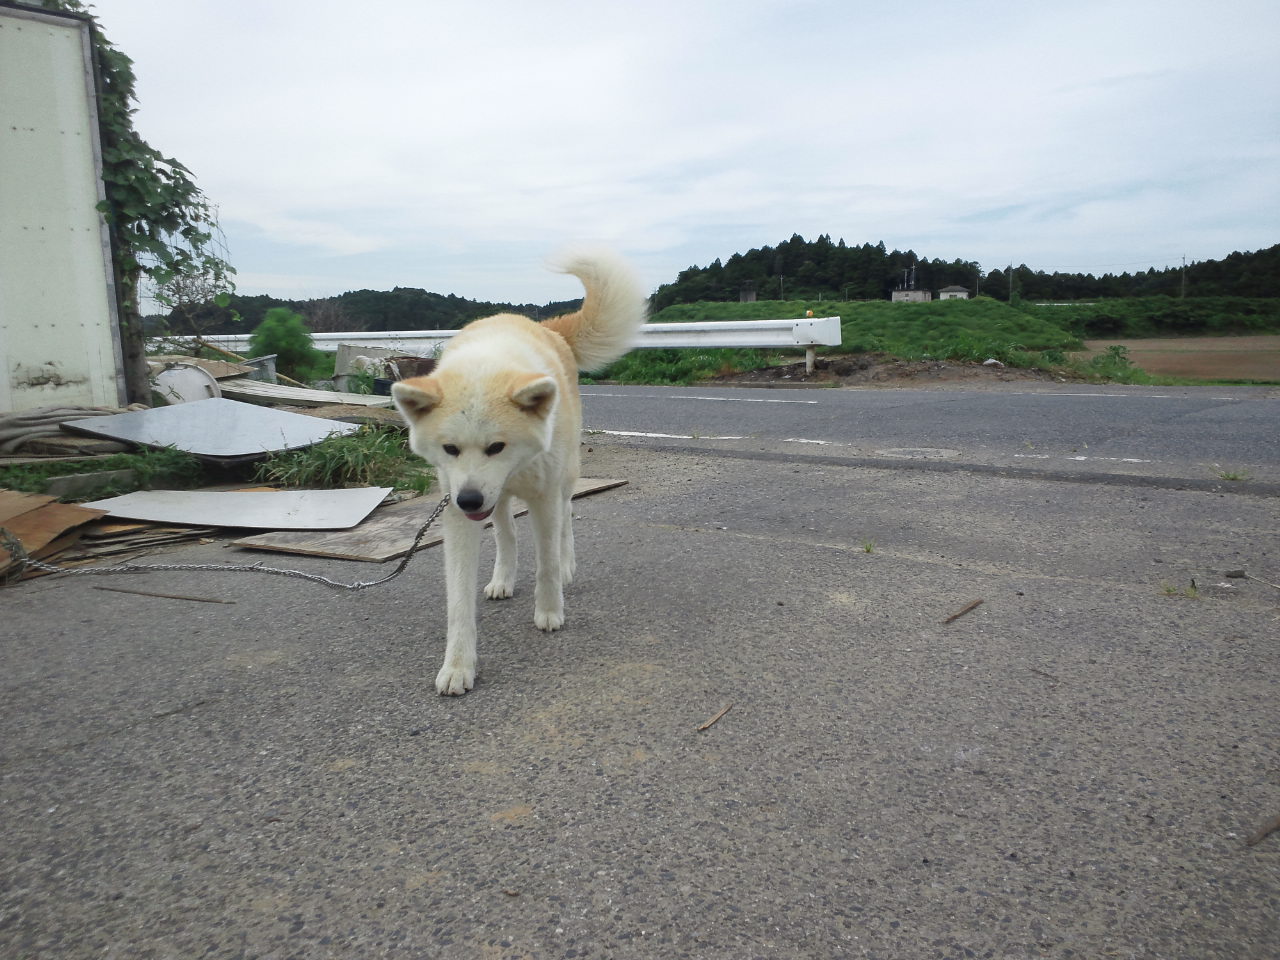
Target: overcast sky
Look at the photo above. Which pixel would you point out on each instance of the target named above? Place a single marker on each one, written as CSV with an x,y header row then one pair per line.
x,y
455,146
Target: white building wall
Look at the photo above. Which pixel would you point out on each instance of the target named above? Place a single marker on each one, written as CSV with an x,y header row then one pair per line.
x,y
59,338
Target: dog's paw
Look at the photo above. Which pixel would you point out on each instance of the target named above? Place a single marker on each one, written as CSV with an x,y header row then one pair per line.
x,y
566,574
454,681
497,589
548,620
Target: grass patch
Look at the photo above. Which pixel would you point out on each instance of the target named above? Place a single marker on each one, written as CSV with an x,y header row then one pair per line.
x,y
958,330
168,467
676,366
1234,475
961,331
372,456
1189,592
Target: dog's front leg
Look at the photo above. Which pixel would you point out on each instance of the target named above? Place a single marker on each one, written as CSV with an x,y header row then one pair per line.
x,y
462,564
503,583
568,558
547,515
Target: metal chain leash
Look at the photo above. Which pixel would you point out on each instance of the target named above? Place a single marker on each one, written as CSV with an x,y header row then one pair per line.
x,y
22,561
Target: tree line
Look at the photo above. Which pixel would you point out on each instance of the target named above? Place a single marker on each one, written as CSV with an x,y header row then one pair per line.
x,y
403,308
796,269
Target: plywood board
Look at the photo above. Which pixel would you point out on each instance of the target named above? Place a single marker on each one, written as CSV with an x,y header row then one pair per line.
x,y
256,391
387,534
275,510
39,529
13,503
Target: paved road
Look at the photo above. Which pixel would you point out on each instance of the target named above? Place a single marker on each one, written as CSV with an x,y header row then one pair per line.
x,y
1196,432
1069,770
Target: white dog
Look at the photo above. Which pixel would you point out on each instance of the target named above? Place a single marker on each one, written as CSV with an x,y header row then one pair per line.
x,y
500,416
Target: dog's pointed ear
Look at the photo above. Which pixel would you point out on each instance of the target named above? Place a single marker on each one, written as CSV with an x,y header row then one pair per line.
x,y
534,393
416,396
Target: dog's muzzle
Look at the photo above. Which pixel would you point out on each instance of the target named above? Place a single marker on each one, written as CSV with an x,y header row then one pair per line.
x,y
471,502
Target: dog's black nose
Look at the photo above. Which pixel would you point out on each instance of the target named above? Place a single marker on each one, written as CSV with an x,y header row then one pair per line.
x,y
470,501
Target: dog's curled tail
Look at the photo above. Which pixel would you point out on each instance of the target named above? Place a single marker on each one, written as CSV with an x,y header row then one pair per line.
x,y
612,312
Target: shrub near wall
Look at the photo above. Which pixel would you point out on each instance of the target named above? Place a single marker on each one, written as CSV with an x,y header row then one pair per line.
x,y
285,334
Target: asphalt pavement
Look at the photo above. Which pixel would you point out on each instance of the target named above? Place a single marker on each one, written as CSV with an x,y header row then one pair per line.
x,y
1072,768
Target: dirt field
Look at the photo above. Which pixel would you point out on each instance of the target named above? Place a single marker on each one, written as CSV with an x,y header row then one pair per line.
x,y
1234,358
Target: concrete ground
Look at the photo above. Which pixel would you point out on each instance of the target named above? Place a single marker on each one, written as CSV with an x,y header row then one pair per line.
x,y
1071,769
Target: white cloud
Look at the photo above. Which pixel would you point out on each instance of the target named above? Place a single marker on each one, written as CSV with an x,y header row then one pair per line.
x,y
452,146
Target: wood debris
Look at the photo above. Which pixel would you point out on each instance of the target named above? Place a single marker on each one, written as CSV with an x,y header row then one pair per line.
x,y
961,612
166,596
40,527
708,724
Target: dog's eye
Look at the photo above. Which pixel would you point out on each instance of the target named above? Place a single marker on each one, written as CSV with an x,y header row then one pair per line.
x,y
451,450
494,448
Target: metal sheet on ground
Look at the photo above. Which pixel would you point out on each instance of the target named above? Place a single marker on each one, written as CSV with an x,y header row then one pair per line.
x,y
216,429
387,535
281,510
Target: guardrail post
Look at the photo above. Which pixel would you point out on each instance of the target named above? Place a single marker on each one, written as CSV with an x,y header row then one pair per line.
x,y
810,358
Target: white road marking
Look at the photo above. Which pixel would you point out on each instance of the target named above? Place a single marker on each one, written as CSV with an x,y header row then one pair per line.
x,y
659,436
641,396
1140,396
745,399
1046,456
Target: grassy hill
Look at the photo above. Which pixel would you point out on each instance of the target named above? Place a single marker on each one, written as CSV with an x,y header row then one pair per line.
x,y
956,329
941,330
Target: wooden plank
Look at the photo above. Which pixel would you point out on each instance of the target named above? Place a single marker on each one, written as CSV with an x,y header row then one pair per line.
x,y
385,535
218,369
114,528
37,529
255,391
6,461
88,550
13,503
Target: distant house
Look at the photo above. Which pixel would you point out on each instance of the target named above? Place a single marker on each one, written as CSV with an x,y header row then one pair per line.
x,y
912,296
953,292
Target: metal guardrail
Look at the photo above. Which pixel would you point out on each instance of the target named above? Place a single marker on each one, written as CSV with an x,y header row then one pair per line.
x,y
807,332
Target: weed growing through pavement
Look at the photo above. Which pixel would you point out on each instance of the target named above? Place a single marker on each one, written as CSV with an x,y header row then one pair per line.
x,y
1189,592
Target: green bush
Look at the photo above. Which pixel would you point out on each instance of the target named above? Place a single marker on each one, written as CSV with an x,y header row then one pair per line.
x,y
285,334
680,366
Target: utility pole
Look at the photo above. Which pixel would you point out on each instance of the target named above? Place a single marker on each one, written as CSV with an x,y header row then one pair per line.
x,y
1011,283
1184,276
